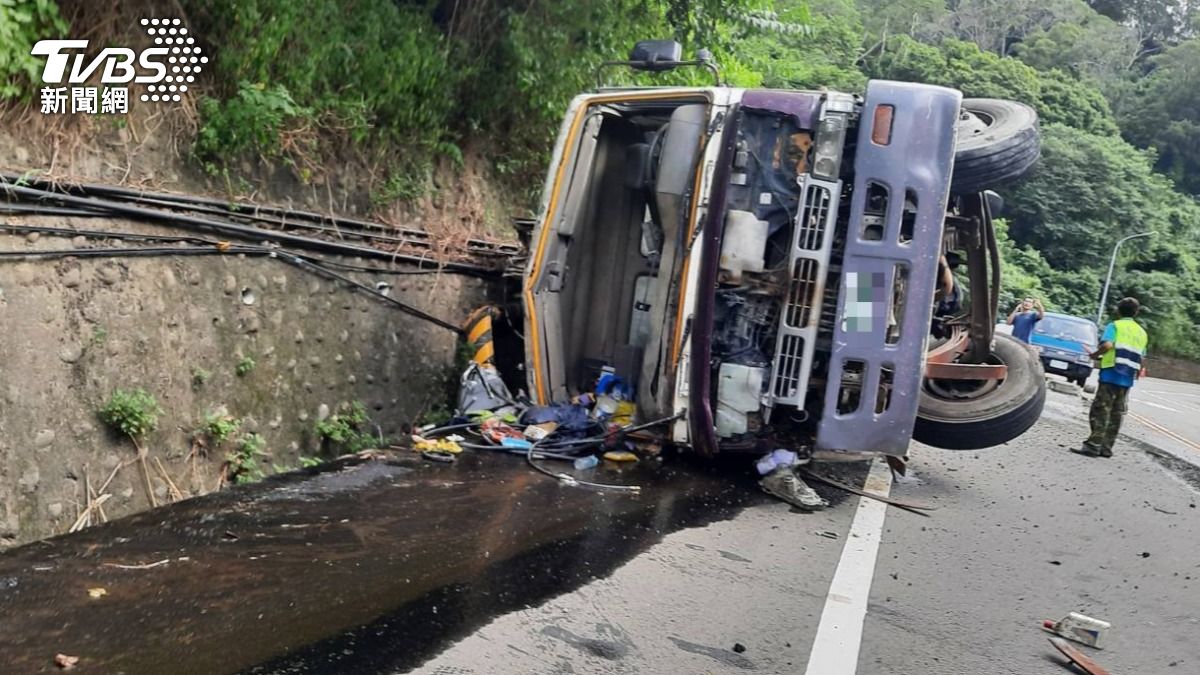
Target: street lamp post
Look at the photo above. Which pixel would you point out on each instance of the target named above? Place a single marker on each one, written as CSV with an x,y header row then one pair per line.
x,y
1108,279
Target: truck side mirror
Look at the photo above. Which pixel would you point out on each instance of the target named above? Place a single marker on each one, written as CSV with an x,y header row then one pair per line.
x,y
655,55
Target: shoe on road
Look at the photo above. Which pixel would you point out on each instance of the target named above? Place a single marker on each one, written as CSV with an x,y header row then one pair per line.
x,y
783,484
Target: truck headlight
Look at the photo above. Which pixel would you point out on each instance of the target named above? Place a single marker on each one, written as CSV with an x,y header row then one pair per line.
x,y
831,137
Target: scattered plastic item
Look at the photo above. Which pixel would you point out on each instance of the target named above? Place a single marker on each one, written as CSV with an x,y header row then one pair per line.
x,y
536,432
584,463
625,413
606,406
620,456
444,445
1081,660
65,662
610,384
496,430
437,456
1080,628
95,593
510,442
776,459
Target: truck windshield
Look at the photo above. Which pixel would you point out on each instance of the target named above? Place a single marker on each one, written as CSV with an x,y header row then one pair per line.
x,y
1075,330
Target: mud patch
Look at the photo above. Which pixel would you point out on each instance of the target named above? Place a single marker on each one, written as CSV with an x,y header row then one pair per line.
x,y
1185,471
613,650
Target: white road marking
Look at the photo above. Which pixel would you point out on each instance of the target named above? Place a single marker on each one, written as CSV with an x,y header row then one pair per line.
x,y
1155,405
839,635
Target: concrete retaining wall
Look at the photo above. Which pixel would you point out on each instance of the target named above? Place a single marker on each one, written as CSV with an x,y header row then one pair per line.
x,y
73,330
1171,368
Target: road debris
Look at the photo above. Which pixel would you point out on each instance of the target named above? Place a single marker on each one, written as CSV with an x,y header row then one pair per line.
x,y
65,662
442,445
826,533
1080,628
620,456
95,593
141,566
1078,658
918,509
739,647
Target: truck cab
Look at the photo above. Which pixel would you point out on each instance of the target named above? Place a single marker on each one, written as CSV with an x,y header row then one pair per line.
x,y
765,267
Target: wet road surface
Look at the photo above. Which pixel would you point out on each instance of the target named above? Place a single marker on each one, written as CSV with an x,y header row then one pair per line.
x,y
367,568
486,567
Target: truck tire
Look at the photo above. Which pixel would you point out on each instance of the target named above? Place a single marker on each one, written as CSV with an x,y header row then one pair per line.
x,y
997,415
998,142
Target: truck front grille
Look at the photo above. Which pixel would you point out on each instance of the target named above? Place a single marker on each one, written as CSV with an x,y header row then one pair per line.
x,y
803,292
810,235
789,365
808,261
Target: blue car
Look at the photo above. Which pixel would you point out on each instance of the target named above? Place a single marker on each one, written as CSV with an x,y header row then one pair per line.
x,y
1064,342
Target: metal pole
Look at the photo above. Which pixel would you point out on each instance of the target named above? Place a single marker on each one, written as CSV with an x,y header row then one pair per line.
x,y
1108,279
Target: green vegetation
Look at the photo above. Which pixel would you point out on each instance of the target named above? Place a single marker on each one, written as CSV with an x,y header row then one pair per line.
x,y
245,366
310,462
243,464
200,376
344,429
219,426
132,412
22,23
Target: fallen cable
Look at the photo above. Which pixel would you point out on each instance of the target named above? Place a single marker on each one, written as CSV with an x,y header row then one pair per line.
x,y
93,204
224,248
918,509
276,215
134,236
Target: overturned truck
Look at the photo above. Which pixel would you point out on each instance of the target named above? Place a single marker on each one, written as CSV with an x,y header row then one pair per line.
x,y
805,269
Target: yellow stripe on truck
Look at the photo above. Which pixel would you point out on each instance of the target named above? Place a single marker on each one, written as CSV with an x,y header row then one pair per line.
x,y
552,208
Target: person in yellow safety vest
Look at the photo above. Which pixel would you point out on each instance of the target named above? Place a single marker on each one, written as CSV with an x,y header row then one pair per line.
x,y
1121,351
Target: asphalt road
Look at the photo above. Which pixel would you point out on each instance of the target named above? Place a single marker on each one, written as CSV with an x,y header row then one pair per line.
x,y
1023,532
485,567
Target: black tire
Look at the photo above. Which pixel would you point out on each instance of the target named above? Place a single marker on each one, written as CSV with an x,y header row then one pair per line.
x,y
992,418
1001,144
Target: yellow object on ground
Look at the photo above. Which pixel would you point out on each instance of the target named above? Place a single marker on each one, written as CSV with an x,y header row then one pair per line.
x,y
620,456
436,445
624,414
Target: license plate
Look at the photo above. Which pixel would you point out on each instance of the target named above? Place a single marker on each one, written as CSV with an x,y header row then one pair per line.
x,y
1054,363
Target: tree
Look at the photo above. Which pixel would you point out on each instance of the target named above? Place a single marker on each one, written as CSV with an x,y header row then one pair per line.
x,y
1167,117
823,56
954,63
1156,22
